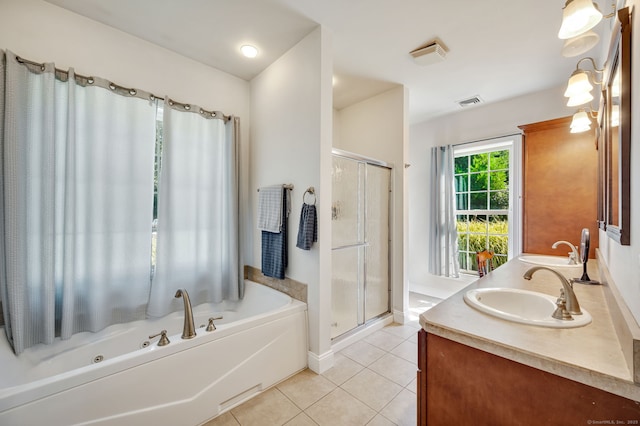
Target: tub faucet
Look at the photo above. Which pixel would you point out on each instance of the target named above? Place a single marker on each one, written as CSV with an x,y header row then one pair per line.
x,y
571,300
188,331
574,256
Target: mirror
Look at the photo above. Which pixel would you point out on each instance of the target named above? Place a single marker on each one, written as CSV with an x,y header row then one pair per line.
x,y
613,147
615,140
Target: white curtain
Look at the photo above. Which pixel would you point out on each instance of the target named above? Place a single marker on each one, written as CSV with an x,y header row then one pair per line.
x,y
76,184
443,240
197,247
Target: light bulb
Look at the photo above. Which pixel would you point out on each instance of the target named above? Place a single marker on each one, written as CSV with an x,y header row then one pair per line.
x,y
578,84
249,51
579,99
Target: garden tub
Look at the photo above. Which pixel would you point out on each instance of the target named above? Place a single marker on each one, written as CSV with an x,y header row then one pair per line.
x,y
120,376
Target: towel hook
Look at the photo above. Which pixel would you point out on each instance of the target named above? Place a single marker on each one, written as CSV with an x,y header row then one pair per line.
x,y
311,190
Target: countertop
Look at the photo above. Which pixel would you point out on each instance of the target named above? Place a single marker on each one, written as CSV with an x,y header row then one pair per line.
x,y
591,355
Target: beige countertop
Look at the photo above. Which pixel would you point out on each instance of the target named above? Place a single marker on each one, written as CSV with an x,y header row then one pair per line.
x,y
591,355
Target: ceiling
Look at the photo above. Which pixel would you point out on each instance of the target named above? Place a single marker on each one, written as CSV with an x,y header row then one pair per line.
x,y
498,49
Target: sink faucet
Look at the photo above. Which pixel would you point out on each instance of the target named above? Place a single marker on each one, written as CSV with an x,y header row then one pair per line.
x,y
574,256
571,300
188,331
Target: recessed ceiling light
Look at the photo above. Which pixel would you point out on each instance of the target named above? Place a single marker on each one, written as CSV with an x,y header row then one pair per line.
x,y
249,51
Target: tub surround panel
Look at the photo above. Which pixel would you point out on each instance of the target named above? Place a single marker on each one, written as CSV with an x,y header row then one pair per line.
x,y
212,382
293,288
591,355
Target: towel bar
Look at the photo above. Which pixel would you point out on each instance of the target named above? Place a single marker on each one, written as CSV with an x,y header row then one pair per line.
x,y
284,185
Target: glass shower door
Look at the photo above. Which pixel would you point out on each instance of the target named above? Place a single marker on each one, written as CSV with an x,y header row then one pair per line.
x,y
347,243
360,243
377,238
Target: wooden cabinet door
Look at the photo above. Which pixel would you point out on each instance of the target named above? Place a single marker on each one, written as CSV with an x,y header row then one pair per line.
x,y
560,178
460,385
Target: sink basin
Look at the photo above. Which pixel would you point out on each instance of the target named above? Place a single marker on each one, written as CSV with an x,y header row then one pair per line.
x,y
522,306
551,261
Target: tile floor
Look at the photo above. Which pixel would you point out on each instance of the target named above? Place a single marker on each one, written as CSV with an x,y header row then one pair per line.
x,y
373,382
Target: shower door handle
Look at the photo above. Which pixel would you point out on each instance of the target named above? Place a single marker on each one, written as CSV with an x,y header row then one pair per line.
x,y
350,246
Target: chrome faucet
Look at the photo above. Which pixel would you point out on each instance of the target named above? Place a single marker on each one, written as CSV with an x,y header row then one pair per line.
x,y
571,300
188,331
574,256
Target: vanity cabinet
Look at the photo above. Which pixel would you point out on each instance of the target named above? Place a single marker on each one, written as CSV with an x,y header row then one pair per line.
x,y
458,384
560,186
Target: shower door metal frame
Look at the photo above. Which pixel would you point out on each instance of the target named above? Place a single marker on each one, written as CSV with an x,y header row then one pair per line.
x,y
389,166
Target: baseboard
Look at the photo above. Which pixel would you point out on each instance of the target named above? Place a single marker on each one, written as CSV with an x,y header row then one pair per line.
x,y
401,317
320,363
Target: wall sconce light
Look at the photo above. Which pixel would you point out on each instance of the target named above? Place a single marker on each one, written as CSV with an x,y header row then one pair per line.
x,y
579,16
581,121
580,44
580,99
579,87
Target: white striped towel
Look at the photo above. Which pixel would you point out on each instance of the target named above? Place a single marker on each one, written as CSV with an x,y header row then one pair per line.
x,y
270,208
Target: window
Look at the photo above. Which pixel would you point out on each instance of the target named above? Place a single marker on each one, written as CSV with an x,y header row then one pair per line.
x,y
485,187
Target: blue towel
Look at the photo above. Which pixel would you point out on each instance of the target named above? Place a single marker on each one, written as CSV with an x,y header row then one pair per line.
x,y
308,227
274,246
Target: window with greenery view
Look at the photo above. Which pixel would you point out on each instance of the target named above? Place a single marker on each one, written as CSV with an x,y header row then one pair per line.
x,y
482,205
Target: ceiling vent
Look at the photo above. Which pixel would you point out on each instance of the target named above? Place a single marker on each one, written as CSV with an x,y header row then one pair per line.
x,y
475,100
430,53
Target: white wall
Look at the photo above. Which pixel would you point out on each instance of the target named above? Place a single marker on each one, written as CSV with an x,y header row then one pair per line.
x,y
42,32
476,123
291,134
377,128
624,261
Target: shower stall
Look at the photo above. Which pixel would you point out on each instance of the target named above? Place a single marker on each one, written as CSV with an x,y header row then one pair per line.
x,y
360,241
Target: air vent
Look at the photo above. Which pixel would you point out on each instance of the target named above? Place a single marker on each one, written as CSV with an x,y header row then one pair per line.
x,y
475,100
430,53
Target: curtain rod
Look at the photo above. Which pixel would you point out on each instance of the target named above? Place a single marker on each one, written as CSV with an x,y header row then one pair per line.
x,y
130,90
488,139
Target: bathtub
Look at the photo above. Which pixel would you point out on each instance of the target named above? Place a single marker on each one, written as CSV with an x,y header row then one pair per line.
x,y
121,377
441,287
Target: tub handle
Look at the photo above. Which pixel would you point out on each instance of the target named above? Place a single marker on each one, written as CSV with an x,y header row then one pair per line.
x,y
212,326
164,340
